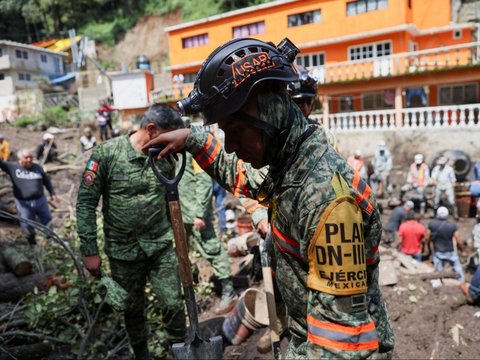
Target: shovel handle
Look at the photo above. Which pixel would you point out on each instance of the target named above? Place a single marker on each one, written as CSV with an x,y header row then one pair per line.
x,y
171,185
180,243
269,292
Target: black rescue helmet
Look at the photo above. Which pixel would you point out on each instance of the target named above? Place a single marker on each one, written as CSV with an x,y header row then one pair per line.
x,y
231,71
304,86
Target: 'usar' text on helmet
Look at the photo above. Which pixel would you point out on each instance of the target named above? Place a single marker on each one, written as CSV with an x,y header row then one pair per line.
x,y
228,75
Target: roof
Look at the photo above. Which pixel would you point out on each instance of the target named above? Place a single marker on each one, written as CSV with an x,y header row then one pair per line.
x,y
63,44
63,78
229,14
31,47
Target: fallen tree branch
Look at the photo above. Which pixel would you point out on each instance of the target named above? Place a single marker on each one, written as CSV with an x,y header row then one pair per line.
x,y
32,335
438,275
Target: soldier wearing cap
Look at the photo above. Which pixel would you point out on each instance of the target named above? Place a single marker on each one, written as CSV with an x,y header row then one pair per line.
x,y
324,221
138,232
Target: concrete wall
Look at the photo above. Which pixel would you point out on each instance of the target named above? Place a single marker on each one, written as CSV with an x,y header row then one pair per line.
x,y
404,144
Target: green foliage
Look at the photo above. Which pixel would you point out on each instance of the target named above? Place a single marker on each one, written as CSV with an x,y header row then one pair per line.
x,y
103,20
26,121
108,32
53,116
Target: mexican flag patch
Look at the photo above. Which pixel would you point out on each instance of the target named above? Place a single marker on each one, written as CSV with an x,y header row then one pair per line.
x,y
92,165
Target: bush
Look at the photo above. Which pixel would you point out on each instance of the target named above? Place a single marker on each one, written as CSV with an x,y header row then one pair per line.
x,y
55,116
25,121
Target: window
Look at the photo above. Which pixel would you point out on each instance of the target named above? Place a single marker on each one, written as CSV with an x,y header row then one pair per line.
x,y
1,52
21,76
311,60
27,77
25,54
345,103
412,46
43,58
2,76
369,51
56,64
362,6
194,41
458,94
309,17
249,29
189,77
378,100
18,54
457,34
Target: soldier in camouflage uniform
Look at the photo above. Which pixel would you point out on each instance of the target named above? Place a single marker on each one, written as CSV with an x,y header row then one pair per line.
x,y
138,233
325,222
196,189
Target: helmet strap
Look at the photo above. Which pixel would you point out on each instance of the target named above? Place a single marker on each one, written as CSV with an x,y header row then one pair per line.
x,y
259,124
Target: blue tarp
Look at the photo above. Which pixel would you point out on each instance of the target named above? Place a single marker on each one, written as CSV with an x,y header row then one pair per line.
x,y
63,78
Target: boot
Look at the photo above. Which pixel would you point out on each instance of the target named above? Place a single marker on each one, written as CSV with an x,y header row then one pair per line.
x,y
31,239
264,344
141,351
229,298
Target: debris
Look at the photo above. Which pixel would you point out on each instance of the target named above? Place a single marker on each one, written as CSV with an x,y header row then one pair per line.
x,y
411,287
477,315
17,261
388,274
413,299
455,331
436,283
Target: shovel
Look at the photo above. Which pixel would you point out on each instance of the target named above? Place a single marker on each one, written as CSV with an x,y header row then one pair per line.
x,y
271,306
194,346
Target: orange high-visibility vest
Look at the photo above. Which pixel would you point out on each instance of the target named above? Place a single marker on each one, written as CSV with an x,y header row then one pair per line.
x,y
417,175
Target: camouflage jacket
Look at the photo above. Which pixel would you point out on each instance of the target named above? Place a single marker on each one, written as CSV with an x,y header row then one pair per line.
x,y
135,212
196,191
326,229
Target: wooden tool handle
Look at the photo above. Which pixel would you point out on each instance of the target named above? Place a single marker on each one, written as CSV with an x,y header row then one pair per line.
x,y
180,243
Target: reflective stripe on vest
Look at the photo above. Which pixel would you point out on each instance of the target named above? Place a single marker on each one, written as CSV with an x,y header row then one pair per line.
x,y
342,337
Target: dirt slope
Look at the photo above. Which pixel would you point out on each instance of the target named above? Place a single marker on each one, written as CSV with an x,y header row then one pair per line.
x,y
147,37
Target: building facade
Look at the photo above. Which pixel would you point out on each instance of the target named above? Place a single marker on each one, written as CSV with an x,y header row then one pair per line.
x,y
379,63
24,67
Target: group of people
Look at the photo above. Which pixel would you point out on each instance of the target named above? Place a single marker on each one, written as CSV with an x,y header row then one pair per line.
x,y
320,213
441,238
377,174
273,155
442,178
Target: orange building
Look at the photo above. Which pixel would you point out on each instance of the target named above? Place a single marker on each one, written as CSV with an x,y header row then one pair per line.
x,y
379,63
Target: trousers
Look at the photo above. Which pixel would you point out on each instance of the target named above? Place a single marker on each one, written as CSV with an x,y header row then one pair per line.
x,y
162,271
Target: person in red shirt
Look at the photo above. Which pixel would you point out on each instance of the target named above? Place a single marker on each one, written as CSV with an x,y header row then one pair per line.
x,y
411,235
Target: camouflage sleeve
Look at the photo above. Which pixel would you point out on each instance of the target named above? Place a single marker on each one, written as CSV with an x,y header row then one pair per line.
x,y
91,188
256,211
230,172
203,193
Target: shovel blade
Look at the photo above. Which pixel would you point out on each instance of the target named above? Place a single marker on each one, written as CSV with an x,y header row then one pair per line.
x,y
199,349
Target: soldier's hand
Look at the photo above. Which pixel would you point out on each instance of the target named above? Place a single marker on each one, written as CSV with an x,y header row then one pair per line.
x,y
93,263
198,223
262,227
174,142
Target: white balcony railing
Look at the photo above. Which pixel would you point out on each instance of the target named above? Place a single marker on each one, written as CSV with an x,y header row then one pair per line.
x,y
406,118
446,57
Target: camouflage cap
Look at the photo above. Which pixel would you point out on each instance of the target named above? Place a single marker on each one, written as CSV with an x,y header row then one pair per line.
x,y
115,295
